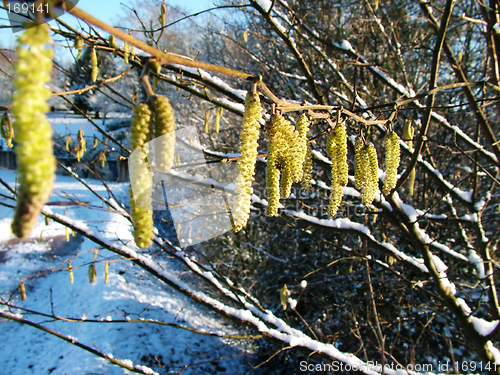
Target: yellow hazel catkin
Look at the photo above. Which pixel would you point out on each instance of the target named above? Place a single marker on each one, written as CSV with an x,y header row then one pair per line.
x,y
126,52
78,44
22,290
275,162
112,44
106,272
92,274
34,152
337,149
249,137
371,185
409,132
142,214
70,271
93,62
359,156
392,159
164,128
7,129
303,124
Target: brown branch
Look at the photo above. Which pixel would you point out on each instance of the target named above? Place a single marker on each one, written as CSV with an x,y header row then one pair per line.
x,y
163,57
102,82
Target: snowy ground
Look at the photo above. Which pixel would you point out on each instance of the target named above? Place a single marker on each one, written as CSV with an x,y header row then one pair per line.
x,y
130,293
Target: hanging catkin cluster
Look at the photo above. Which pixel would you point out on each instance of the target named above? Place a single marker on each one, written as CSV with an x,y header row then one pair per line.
x,y
392,158
164,128
34,152
249,137
366,170
336,147
286,154
140,206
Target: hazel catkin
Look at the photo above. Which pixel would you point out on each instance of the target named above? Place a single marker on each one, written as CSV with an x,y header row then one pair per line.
x,y
126,52
366,170
275,163
249,137
22,290
34,151
92,273
140,184
106,272
93,63
303,124
164,128
409,132
359,156
70,272
7,129
307,169
392,158
371,176
78,44
336,146
112,44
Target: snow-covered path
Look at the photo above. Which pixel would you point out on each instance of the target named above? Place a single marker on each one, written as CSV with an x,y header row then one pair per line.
x,y
129,293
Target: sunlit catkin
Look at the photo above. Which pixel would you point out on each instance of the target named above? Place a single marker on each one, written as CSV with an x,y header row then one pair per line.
x,y
93,63
392,158
7,129
102,159
78,44
249,137
164,128
275,163
68,143
112,44
132,52
296,152
141,206
92,273
218,115
284,296
341,154
336,189
359,163
106,272
307,169
2,125
163,14
81,141
70,271
409,132
34,151
22,290
126,52
290,150
371,183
